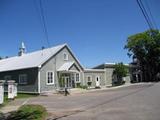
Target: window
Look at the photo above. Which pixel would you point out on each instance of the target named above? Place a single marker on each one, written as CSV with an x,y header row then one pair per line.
x,y
23,79
72,77
77,77
7,77
65,56
50,78
89,79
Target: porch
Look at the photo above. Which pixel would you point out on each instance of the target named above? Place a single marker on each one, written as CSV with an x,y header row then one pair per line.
x,y
68,75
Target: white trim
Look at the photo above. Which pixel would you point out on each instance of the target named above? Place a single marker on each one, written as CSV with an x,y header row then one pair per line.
x,y
39,82
76,78
77,61
94,70
52,78
99,79
25,83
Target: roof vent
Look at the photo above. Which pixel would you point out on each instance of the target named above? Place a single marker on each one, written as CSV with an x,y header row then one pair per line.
x,y
43,47
22,49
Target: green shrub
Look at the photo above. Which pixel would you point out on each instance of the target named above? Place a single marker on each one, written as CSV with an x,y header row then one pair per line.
x,y
84,87
28,112
89,83
78,85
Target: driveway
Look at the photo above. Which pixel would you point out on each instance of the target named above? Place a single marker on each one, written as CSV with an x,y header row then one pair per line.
x,y
136,102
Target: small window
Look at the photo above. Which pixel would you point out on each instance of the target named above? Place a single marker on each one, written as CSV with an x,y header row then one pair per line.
x,y
50,78
72,77
89,79
23,79
77,77
7,77
65,56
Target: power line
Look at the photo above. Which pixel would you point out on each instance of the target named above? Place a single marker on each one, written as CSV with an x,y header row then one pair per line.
x,y
152,18
37,9
43,22
144,12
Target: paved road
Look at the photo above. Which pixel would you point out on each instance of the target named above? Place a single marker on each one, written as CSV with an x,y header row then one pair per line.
x,y
137,102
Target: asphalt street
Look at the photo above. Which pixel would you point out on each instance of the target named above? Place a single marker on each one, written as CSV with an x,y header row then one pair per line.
x,y
136,102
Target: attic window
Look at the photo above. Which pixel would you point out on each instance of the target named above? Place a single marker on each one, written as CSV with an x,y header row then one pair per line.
x,y
65,56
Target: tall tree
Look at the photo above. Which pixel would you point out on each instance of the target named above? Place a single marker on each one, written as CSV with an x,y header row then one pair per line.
x,y
145,47
120,71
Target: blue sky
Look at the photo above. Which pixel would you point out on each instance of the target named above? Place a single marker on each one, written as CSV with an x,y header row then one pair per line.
x,y
96,30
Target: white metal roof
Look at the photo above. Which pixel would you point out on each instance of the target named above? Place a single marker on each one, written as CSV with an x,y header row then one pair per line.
x,y
66,66
94,70
29,60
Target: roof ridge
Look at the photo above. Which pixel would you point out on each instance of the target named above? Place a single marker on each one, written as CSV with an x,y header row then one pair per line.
x,y
35,51
32,59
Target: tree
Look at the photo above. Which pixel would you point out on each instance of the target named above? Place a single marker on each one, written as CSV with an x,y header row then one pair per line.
x,y
120,71
145,47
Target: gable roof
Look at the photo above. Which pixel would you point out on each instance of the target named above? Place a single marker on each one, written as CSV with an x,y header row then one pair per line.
x,y
29,60
66,66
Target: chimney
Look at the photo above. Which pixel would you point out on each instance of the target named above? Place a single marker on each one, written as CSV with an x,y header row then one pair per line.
x,y
22,49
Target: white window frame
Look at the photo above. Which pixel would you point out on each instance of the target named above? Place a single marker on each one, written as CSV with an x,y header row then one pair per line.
x,y
99,77
66,56
22,75
76,78
7,76
73,76
52,77
90,78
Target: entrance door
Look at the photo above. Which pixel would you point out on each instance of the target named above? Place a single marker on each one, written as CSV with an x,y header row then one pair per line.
x,y
67,82
97,81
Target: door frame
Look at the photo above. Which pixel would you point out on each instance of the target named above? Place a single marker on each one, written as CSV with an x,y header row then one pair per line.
x,y
97,82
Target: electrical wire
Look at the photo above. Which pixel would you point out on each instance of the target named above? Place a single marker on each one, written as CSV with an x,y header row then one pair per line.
x,y
43,22
144,12
152,18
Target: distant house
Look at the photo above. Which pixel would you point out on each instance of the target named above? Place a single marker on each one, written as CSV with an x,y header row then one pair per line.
x,y
109,75
50,69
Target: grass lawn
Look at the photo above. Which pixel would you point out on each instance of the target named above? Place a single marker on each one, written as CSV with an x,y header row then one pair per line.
x,y
19,96
29,112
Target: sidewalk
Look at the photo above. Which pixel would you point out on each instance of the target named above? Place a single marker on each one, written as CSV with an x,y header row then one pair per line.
x,y
82,91
13,105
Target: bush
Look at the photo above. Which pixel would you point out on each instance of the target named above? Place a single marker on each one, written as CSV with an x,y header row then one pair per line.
x,y
117,83
89,83
28,112
84,87
78,85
